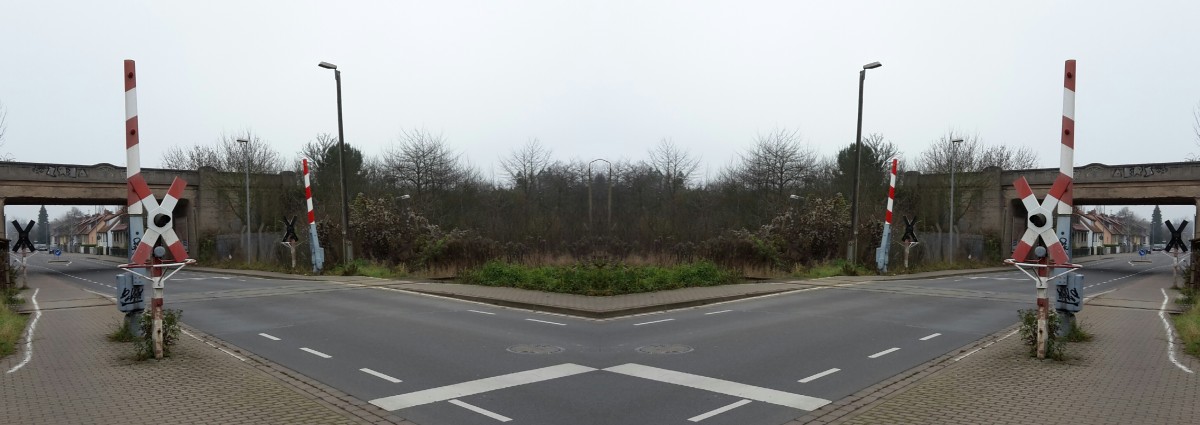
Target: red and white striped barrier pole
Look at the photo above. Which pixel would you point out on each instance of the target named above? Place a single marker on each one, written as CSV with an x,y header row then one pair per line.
x,y
881,254
133,161
318,253
133,171
1066,167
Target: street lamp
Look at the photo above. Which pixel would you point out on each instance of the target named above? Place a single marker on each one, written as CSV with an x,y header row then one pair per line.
x,y
862,76
953,152
246,153
610,185
337,75
796,198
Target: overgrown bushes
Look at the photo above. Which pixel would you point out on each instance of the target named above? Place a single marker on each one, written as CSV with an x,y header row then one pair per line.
x,y
171,330
599,278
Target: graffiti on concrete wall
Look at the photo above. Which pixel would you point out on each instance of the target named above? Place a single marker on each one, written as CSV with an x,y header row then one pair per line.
x,y
60,171
1139,171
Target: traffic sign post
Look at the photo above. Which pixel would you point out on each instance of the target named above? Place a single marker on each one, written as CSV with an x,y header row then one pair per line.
x,y
1051,255
1177,250
25,247
290,240
909,239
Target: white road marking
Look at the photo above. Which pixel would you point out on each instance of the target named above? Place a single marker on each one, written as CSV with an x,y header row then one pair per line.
x,y
719,411
721,386
477,386
1162,314
931,337
381,376
316,353
718,312
480,410
481,312
272,338
819,375
656,321
883,353
232,354
543,321
37,314
986,345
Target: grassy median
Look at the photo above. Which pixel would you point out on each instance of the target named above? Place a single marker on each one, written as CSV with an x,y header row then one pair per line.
x,y
599,279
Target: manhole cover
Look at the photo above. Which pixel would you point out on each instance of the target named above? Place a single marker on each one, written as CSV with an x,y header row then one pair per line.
x,y
664,349
535,349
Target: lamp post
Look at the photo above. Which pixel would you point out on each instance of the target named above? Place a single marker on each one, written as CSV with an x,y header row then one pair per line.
x,y
796,198
862,76
609,179
953,152
246,152
337,76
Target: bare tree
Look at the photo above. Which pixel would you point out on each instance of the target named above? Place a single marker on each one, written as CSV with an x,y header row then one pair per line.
x,y
524,165
676,165
777,163
1195,130
3,129
422,162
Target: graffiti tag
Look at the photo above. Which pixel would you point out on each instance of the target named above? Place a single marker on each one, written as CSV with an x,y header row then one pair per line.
x,y
60,171
1139,171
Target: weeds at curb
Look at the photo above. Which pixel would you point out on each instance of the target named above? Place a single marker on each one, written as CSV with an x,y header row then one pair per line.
x,y
171,330
1054,345
121,333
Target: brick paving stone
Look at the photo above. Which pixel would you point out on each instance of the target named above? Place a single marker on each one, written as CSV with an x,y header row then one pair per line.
x,y
1122,376
78,376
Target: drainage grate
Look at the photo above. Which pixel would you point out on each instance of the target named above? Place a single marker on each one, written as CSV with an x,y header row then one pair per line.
x,y
535,349
665,349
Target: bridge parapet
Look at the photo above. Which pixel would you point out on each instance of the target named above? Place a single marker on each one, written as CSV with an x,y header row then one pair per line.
x,y
98,173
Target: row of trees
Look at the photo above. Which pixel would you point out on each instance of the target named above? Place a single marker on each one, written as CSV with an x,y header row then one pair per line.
x,y
548,209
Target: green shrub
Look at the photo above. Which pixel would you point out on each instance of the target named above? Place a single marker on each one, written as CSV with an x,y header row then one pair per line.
x,y
121,333
1077,334
171,330
1054,345
598,277
12,325
1187,325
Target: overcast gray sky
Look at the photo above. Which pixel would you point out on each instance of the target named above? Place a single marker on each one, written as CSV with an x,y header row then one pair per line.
x,y
600,78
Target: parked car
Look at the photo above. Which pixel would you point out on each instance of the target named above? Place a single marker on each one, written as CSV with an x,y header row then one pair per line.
x,y
1159,246
39,246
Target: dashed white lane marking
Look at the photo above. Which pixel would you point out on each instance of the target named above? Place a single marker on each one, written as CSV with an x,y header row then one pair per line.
x,y
37,314
883,353
477,386
719,411
381,376
543,321
819,376
656,321
931,337
480,410
721,386
267,336
481,312
316,353
718,312
1162,314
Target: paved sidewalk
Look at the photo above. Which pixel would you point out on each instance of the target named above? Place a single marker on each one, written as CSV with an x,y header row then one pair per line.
x,y
1122,376
77,376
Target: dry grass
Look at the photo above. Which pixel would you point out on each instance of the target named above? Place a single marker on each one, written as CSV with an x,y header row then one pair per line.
x,y
12,325
1188,326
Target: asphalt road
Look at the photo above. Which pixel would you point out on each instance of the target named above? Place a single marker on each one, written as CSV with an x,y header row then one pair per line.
x,y
757,361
